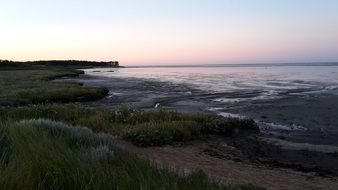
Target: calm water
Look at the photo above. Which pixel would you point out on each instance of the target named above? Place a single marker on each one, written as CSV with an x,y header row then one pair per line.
x,y
272,80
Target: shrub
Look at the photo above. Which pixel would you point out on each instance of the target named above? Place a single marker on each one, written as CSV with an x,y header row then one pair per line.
x,y
161,133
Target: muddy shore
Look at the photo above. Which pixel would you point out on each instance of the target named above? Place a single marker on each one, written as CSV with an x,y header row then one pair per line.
x,y
298,130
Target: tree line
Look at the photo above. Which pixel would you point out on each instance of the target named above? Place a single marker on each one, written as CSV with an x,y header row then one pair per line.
x,y
60,63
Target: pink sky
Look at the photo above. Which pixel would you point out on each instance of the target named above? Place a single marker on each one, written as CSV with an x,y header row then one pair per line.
x,y
175,32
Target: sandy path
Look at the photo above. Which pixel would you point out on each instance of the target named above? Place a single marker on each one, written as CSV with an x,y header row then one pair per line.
x,y
192,156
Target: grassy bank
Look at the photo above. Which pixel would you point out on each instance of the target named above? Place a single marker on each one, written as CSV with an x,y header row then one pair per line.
x,y
24,86
78,151
143,128
41,154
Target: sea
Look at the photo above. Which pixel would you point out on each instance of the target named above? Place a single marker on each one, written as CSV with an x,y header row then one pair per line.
x,y
271,80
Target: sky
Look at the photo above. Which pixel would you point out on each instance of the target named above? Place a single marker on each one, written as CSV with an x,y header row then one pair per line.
x,y
151,32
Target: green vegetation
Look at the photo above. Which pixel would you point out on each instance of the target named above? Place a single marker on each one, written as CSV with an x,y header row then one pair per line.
x,y
150,128
43,146
41,154
33,86
143,128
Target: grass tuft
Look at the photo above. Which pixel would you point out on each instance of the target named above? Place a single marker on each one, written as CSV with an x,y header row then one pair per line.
x,y
47,155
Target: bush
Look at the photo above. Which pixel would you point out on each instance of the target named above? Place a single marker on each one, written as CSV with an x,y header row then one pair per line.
x,y
161,133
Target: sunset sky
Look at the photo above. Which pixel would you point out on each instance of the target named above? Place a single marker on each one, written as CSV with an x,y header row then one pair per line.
x,y
140,32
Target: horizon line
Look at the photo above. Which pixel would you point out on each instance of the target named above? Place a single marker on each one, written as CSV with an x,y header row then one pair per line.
x,y
253,64
329,63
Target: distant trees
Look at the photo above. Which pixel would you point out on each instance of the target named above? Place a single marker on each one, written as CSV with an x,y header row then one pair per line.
x,y
7,63
114,63
61,63
4,61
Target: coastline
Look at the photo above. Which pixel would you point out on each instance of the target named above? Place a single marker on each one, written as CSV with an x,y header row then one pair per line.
x,y
275,149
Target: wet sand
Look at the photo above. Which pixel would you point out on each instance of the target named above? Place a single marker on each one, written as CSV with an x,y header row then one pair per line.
x,y
299,130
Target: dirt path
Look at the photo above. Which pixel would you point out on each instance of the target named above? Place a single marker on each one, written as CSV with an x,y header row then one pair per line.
x,y
195,155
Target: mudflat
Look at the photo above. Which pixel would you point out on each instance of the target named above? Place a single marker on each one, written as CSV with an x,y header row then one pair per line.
x,y
297,144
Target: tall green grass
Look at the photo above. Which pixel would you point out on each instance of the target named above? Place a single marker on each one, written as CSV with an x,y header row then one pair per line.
x,y
143,128
47,155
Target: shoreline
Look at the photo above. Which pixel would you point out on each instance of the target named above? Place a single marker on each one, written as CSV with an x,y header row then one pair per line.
x,y
304,151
